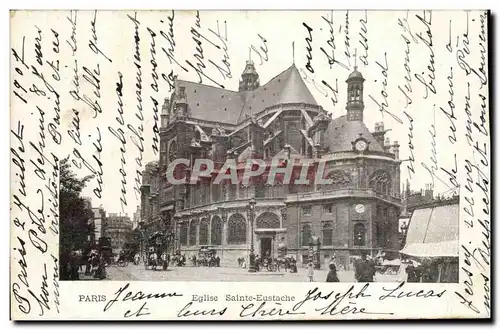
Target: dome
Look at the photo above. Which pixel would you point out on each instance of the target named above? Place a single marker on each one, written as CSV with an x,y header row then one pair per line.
x,y
355,74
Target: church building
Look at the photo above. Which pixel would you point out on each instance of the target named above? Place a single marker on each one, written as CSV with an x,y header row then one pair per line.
x,y
358,211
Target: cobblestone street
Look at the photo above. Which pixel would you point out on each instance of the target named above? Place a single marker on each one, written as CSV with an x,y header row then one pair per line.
x,y
232,274
190,273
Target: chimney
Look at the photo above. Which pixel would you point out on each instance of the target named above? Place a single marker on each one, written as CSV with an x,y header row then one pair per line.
x,y
379,133
429,193
395,149
387,145
181,101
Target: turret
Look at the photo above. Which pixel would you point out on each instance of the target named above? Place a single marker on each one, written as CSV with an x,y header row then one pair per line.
x,y
355,103
249,78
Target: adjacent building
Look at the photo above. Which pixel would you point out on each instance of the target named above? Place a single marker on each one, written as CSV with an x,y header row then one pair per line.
x,y
136,217
99,220
357,212
117,228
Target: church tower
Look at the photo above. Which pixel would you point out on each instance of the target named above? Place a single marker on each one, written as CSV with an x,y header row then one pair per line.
x,y
249,78
355,103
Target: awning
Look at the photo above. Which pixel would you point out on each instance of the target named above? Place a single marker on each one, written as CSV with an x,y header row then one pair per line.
x,y
433,232
167,208
440,249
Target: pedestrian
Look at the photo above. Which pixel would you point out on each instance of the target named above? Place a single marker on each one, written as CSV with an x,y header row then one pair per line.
x,y
310,272
74,267
332,274
101,269
364,269
164,259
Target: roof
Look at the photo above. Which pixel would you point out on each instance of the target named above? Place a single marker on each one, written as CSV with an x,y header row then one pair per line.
x,y
216,104
286,87
342,132
355,74
433,232
212,103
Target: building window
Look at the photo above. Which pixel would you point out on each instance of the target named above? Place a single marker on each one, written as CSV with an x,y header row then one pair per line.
x,y
327,208
184,233
192,233
306,234
380,182
216,231
359,234
204,231
268,220
237,230
328,234
306,210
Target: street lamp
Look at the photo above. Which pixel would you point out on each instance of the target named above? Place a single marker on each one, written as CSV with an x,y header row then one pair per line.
x,y
251,213
170,239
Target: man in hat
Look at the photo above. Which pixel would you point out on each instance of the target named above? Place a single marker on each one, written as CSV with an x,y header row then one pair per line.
x,y
364,269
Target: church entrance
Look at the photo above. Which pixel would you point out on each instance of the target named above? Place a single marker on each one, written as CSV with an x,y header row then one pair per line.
x,y
266,244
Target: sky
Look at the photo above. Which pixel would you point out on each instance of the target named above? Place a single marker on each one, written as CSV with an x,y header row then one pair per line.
x,y
402,55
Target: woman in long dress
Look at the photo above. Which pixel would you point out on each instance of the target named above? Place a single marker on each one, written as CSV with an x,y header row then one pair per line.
x,y
332,274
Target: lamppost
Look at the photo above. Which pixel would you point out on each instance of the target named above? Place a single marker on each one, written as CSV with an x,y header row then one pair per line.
x,y
251,213
170,239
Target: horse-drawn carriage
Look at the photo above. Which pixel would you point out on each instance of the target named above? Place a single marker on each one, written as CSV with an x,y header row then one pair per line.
x,y
154,260
156,256
388,267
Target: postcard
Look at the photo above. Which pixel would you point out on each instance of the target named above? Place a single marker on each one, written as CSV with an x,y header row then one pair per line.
x,y
179,165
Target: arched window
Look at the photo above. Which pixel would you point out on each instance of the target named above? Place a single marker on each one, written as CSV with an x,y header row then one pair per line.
x,y
268,220
216,231
204,231
172,151
192,233
306,234
380,182
237,229
359,234
184,233
327,234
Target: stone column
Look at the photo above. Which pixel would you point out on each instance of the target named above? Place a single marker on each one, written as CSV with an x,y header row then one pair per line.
x,y
197,242
210,229
224,216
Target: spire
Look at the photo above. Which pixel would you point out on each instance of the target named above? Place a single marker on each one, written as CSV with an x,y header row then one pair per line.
x,y
355,103
249,78
355,59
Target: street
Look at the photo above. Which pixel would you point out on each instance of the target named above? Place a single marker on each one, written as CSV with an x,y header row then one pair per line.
x,y
227,274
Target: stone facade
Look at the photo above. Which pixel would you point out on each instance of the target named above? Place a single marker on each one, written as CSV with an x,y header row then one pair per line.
x,y
358,211
117,228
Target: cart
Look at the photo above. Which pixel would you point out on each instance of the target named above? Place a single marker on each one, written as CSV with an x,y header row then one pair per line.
x,y
389,267
152,259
